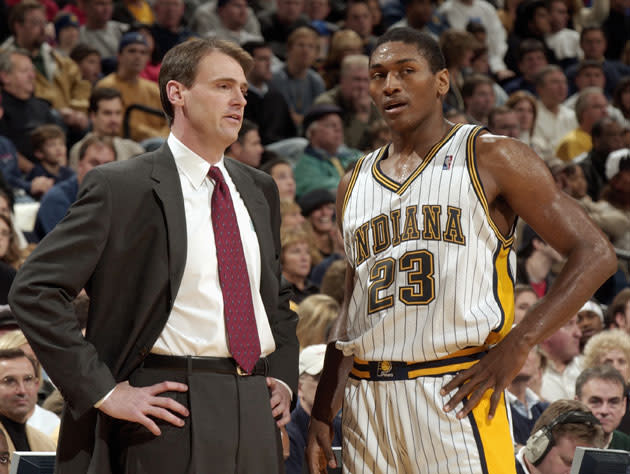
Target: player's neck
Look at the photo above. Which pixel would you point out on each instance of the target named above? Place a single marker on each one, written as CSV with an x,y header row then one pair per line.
x,y
421,139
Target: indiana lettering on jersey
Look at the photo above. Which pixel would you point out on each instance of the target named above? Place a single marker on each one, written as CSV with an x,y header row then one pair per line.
x,y
384,231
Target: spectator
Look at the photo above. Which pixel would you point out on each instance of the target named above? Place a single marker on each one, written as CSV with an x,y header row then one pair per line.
x,y
563,367
296,263
311,366
232,19
590,107
563,41
106,117
100,31
10,253
458,48
603,390
343,43
133,54
326,157
151,71
562,427
291,215
478,98
589,74
524,298
282,173
553,120
524,104
247,148
504,121
590,320
276,25
167,30
133,11
607,136
49,147
618,313
89,61
66,33
333,281
359,19
316,316
459,12
319,210
358,112
531,60
22,111
617,29
18,396
535,261
265,105
422,15
621,98
94,151
298,83
57,78
617,193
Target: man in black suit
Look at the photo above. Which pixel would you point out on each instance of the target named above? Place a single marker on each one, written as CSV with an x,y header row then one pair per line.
x,y
154,386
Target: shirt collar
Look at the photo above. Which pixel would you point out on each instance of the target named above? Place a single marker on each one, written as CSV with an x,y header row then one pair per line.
x,y
193,166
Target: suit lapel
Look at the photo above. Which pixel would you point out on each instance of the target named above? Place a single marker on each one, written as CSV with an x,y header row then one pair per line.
x,y
168,191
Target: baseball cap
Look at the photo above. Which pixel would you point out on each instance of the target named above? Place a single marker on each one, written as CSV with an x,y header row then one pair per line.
x,y
319,111
617,160
312,359
64,20
314,199
131,38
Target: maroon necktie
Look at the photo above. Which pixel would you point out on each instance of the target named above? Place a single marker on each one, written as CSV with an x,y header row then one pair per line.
x,y
240,321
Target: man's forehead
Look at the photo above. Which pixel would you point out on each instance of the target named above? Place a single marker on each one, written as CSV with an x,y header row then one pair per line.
x,y
396,52
16,366
601,388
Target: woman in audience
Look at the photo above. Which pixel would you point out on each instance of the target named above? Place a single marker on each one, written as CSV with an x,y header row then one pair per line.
x,y
9,249
524,297
318,206
296,262
316,316
342,44
524,104
282,173
291,215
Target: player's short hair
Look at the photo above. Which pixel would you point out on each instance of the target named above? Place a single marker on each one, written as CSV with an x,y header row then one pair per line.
x,y
182,61
425,43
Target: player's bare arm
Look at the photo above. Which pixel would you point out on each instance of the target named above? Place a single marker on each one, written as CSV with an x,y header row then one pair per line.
x,y
517,182
329,396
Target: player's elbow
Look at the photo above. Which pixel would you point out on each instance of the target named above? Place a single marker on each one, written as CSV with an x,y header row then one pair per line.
x,y
604,257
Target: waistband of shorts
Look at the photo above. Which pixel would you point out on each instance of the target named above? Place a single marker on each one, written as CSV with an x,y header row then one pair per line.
x,y
387,370
219,365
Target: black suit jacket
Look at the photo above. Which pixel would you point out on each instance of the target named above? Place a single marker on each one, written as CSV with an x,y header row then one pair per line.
x,y
124,240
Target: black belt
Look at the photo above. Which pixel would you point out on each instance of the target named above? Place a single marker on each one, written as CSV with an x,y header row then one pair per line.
x,y
219,365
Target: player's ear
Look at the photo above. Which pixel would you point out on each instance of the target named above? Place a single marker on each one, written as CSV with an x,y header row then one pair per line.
x,y
442,82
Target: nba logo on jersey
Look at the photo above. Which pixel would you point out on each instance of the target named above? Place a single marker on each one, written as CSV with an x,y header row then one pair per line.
x,y
447,162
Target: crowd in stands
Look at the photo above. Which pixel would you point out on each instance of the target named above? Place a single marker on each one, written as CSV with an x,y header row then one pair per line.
x,y
79,88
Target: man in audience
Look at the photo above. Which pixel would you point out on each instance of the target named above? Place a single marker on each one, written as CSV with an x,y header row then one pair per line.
x,y
503,120
325,158
422,15
535,261
607,136
247,148
228,19
618,313
562,427
276,25
589,73
311,365
89,61
590,320
553,119
297,81
167,30
616,29
106,117
590,107
265,105
94,151
563,41
22,111
352,96
133,55
100,31
478,98
531,60
602,389
57,78
359,19
18,396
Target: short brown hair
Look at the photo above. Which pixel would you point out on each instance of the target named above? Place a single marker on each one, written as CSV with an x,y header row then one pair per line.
x,y
618,305
96,140
316,315
11,354
586,432
454,44
19,11
46,132
301,32
181,62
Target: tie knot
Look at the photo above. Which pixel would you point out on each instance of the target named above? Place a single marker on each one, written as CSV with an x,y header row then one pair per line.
x,y
216,175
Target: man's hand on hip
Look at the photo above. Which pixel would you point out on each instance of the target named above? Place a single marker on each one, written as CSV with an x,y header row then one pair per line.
x,y
280,399
138,403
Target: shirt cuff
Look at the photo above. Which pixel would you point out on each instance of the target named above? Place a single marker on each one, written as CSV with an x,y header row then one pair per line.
x,y
102,400
277,380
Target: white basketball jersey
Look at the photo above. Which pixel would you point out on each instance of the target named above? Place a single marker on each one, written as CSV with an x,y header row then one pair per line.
x,y
433,274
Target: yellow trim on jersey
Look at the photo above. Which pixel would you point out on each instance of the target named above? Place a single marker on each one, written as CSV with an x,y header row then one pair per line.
x,y
472,169
353,180
504,295
494,436
400,188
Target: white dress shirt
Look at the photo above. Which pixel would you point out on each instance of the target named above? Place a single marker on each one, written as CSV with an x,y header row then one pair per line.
x,y
196,325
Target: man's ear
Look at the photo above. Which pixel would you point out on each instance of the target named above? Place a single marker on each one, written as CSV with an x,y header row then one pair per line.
x,y
175,92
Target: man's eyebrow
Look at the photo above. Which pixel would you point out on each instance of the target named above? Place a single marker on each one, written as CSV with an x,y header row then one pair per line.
x,y
400,61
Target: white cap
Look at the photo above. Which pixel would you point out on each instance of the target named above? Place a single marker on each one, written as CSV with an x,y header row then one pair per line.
x,y
593,308
613,161
312,359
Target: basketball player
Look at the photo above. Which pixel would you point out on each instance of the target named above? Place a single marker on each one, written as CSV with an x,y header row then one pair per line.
x,y
424,349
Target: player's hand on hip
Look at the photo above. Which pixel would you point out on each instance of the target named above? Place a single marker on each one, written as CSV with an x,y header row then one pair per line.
x,y
280,399
495,371
137,404
319,453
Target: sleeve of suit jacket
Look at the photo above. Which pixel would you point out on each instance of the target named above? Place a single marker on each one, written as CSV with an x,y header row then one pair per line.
x,y
42,294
